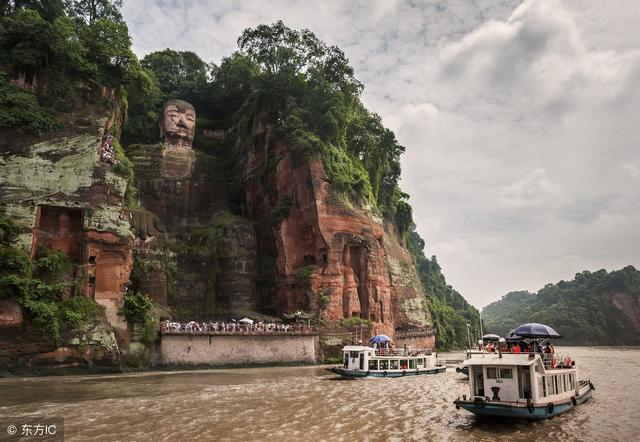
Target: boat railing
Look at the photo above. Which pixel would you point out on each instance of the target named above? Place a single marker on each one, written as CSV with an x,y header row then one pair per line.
x,y
557,360
403,352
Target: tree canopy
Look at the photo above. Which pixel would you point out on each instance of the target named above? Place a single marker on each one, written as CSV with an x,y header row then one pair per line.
x,y
64,45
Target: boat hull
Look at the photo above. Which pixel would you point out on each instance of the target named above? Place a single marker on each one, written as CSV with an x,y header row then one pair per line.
x,y
537,412
381,374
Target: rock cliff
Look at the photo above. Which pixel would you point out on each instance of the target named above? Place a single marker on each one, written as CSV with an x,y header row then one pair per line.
x,y
330,256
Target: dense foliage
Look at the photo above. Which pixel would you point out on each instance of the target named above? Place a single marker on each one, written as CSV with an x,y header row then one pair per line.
x,y
41,286
582,310
304,89
450,311
56,46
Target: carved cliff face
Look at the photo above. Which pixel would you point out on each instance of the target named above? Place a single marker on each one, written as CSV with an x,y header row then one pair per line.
x,y
178,123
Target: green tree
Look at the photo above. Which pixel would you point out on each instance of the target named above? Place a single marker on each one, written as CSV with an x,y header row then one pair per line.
x,y
180,74
90,11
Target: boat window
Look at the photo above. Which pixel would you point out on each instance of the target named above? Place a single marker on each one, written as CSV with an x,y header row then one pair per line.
x,y
373,364
384,364
394,364
555,380
506,373
571,384
412,364
542,388
354,355
492,373
550,384
564,382
404,364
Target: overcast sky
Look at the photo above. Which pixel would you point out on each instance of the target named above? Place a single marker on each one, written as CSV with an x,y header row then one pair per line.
x,y
520,118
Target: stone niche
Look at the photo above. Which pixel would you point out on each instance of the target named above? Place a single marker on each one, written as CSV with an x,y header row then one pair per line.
x,y
59,228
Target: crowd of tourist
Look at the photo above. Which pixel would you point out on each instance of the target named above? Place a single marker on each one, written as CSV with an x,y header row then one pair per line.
x,y
548,352
232,327
107,151
516,347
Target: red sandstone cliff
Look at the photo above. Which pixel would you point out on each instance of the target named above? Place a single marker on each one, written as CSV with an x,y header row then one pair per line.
x,y
332,257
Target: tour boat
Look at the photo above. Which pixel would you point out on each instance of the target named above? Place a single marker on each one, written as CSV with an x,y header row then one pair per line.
x,y
527,385
361,361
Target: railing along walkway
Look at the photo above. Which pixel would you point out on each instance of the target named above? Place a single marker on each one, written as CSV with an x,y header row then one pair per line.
x,y
239,332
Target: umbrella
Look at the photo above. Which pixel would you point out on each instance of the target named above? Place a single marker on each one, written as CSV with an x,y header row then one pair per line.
x,y
246,321
380,338
512,337
535,330
490,337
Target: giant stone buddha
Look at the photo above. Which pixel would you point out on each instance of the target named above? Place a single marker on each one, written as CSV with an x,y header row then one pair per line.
x,y
181,190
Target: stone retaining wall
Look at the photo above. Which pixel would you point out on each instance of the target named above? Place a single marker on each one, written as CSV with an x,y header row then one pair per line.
x,y
220,350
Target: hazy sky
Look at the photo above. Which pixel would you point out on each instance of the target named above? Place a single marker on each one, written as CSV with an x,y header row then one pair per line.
x,y
520,118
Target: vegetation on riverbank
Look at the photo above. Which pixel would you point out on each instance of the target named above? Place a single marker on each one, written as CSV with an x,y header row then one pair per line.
x,y
596,308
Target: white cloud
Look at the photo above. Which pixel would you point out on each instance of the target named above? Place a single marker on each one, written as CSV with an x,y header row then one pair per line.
x,y
533,191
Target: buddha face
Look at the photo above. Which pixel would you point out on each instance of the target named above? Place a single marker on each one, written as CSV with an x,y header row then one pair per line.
x,y
178,123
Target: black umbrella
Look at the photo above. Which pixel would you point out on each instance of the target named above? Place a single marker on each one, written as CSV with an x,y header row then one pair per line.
x,y
535,330
490,337
512,337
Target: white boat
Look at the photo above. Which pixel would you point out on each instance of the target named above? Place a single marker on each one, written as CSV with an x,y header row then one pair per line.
x,y
523,385
362,361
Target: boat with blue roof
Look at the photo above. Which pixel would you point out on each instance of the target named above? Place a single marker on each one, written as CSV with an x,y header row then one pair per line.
x,y
380,360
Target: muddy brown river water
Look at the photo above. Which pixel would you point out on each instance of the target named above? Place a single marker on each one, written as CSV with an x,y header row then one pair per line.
x,y
310,404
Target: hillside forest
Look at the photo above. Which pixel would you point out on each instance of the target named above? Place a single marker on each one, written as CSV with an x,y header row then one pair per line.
x,y
595,308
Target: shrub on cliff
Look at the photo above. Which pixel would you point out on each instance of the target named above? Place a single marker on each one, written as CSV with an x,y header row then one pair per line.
x,y
136,307
20,110
39,285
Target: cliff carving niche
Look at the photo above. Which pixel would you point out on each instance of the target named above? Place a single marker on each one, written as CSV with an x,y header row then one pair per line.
x,y
59,228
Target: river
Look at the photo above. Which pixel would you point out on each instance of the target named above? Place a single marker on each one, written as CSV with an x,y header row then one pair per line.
x,y
310,404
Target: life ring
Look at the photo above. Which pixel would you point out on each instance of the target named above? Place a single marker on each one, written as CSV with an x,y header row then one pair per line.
x,y
478,402
404,372
550,407
574,401
458,370
591,386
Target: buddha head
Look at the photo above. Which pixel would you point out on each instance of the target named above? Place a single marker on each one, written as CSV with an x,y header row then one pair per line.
x,y
178,123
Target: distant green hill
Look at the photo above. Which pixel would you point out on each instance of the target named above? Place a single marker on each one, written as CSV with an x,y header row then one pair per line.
x,y
597,308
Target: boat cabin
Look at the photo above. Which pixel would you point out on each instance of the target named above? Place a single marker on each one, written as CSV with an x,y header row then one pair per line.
x,y
369,359
518,377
